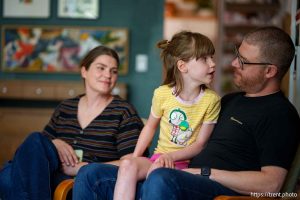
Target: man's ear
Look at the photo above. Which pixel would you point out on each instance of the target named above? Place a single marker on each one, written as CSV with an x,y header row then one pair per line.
x,y
181,65
271,71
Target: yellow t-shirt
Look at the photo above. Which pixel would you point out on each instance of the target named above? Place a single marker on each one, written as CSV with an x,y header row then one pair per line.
x,y
181,120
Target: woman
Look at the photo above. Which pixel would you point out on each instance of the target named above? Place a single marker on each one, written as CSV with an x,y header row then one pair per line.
x,y
98,126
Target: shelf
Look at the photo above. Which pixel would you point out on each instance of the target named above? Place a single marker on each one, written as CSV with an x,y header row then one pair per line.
x,y
48,90
253,7
237,19
240,28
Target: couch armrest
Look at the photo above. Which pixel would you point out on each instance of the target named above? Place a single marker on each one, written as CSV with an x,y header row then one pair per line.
x,y
62,189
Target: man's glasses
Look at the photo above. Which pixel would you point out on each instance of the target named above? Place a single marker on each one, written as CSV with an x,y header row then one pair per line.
x,y
242,62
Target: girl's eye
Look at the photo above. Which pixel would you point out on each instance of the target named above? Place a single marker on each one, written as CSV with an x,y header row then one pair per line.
x,y
207,58
204,58
115,71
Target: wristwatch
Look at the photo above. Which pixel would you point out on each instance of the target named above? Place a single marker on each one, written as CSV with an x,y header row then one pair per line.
x,y
205,171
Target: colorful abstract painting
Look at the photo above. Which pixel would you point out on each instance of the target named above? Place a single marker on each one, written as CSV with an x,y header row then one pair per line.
x,y
57,49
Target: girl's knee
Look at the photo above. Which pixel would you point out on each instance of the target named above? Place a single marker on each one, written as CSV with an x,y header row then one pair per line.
x,y
127,165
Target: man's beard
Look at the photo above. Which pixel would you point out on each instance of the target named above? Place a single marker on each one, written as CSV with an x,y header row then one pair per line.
x,y
253,84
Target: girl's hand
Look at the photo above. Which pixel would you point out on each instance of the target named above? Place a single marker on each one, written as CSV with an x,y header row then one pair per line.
x,y
72,170
153,167
66,153
165,160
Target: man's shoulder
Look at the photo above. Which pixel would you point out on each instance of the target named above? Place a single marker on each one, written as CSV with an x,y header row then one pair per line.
x,y
231,96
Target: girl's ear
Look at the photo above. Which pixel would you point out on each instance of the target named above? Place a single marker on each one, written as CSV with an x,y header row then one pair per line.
x,y
181,65
83,72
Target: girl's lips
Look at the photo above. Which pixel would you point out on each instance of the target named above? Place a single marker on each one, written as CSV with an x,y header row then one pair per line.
x,y
212,73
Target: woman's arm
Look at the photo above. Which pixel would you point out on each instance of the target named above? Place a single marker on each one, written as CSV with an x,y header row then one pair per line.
x,y
73,170
66,152
146,135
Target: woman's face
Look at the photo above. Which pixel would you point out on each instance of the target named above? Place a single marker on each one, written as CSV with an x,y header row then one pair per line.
x,y
102,75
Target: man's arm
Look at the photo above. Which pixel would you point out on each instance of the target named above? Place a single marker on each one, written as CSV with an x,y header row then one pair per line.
x,y
269,179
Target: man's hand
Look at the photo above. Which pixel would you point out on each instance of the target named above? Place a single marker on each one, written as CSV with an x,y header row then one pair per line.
x,y
66,153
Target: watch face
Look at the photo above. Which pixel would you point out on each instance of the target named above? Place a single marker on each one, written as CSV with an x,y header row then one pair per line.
x,y
205,171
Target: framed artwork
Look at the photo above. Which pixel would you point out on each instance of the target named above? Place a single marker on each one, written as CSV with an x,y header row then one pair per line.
x,y
26,8
57,49
84,9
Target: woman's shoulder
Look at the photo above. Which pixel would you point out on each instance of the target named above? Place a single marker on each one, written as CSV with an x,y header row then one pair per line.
x,y
122,104
70,102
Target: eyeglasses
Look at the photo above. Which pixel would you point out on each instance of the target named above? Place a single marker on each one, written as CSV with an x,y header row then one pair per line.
x,y
242,63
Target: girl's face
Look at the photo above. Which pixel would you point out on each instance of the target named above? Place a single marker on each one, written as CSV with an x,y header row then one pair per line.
x,y
102,75
201,71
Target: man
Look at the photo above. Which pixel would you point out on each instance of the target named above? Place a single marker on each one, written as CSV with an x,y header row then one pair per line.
x,y
252,145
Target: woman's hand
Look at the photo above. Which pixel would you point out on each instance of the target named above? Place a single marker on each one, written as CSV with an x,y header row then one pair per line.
x,y
72,170
66,153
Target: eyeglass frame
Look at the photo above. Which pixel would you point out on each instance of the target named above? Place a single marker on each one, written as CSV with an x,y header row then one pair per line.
x,y
241,62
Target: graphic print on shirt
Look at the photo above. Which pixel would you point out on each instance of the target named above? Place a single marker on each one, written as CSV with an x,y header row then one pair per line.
x,y
181,132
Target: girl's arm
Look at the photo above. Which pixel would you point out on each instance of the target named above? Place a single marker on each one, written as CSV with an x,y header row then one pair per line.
x,y
146,135
193,149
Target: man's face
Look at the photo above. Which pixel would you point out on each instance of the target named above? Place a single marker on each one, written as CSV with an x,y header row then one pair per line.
x,y
250,78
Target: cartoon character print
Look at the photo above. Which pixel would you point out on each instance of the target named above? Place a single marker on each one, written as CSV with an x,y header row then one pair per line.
x,y
181,132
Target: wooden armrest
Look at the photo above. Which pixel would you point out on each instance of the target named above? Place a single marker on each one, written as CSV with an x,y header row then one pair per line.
x,y
223,197
62,189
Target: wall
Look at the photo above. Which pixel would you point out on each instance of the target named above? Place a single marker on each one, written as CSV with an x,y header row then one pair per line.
x,y
144,20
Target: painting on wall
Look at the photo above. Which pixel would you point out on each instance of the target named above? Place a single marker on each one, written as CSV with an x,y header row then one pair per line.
x,y
58,49
84,9
26,8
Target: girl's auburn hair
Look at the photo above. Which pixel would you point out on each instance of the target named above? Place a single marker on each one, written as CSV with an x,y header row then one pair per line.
x,y
184,46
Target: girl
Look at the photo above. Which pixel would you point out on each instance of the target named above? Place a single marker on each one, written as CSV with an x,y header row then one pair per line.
x,y
185,108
